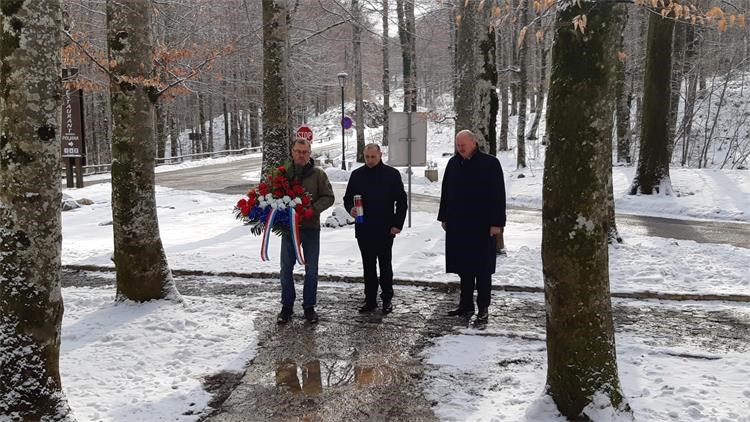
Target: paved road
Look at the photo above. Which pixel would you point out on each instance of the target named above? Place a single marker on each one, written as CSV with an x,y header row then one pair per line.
x,y
356,367
224,178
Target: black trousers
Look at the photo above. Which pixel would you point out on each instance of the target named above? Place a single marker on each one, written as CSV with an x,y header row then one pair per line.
x,y
377,251
483,283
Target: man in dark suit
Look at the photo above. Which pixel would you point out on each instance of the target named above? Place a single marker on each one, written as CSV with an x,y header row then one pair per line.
x,y
384,206
472,212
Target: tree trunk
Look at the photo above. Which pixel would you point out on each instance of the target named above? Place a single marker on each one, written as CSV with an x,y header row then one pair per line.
x,y
541,83
275,119
359,106
622,105
255,126
141,265
407,36
486,84
174,136
234,121
522,88
31,306
203,141
502,141
210,124
225,112
386,74
580,333
161,128
652,175
678,64
691,47
466,66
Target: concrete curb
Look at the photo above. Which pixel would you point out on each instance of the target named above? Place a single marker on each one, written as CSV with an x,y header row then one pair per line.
x,y
646,294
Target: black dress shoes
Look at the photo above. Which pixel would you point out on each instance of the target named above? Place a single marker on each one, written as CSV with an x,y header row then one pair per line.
x,y
367,307
387,307
311,316
483,315
285,315
463,312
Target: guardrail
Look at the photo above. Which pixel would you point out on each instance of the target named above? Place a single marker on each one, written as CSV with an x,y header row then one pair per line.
x,y
106,168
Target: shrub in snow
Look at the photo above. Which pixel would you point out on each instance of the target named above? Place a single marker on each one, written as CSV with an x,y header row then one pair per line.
x,y
339,218
69,204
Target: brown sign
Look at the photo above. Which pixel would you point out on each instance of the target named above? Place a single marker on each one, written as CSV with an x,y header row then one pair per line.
x,y
72,124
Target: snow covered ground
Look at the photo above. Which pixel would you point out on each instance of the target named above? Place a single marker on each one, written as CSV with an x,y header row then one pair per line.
x,y
132,362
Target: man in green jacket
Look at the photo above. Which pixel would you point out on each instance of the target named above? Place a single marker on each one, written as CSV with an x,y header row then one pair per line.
x,y
315,182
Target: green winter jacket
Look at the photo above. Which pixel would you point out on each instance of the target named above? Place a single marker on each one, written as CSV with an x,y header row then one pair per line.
x,y
315,181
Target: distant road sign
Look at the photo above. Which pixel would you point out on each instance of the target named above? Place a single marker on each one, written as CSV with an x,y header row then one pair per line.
x,y
305,133
348,122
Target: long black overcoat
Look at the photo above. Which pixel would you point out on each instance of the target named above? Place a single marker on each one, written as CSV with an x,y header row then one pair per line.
x,y
472,200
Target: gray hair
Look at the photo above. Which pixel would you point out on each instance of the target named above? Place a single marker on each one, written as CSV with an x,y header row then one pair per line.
x,y
471,134
372,145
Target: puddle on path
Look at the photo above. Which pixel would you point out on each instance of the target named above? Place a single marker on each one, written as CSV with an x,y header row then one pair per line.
x,y
313,376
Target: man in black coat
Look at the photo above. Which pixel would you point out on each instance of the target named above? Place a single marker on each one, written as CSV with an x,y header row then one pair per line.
x,y
384,206
472,212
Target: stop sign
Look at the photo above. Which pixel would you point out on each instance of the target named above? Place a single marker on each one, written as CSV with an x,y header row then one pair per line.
x,y
305,133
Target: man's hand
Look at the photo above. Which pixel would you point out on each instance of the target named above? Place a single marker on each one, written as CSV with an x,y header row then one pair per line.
x,y
495,230
444,225
353,212
395,230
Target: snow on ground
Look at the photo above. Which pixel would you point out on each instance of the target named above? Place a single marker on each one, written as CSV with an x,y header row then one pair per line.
x,y
500,376
112,370
200,232
145,362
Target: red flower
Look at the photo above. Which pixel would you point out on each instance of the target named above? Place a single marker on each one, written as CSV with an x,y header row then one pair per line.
x,y
309,213
298,190
244,207
251,201
252,194
281,169
278,193
300,209
290,193
263,188
306,200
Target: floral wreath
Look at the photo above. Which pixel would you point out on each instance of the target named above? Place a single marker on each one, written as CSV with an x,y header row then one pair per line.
x,y
277,201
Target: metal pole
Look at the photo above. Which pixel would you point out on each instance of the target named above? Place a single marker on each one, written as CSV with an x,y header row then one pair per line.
x,y
343,140
408,155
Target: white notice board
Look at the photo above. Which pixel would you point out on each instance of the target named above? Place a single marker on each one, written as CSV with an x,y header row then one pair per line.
x,y
398,152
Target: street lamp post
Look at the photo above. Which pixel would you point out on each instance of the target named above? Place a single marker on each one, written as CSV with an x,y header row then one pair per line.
x,y
342,81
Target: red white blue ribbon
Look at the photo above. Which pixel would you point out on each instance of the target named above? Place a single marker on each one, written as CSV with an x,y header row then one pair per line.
x,y
267,235
296,238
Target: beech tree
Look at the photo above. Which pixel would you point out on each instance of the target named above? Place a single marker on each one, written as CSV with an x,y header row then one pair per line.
x,y
275,102
31,305
581,351
407,35
652,173
358,88
140,262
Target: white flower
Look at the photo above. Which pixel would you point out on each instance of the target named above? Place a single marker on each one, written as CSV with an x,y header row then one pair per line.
x,y
286,199
273,205
298,200
262,202
269,197
281,205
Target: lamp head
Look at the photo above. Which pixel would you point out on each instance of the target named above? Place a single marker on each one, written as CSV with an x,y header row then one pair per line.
x,y
342,78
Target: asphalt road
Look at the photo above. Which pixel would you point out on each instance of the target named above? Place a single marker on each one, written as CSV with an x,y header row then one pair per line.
x,y
225,178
